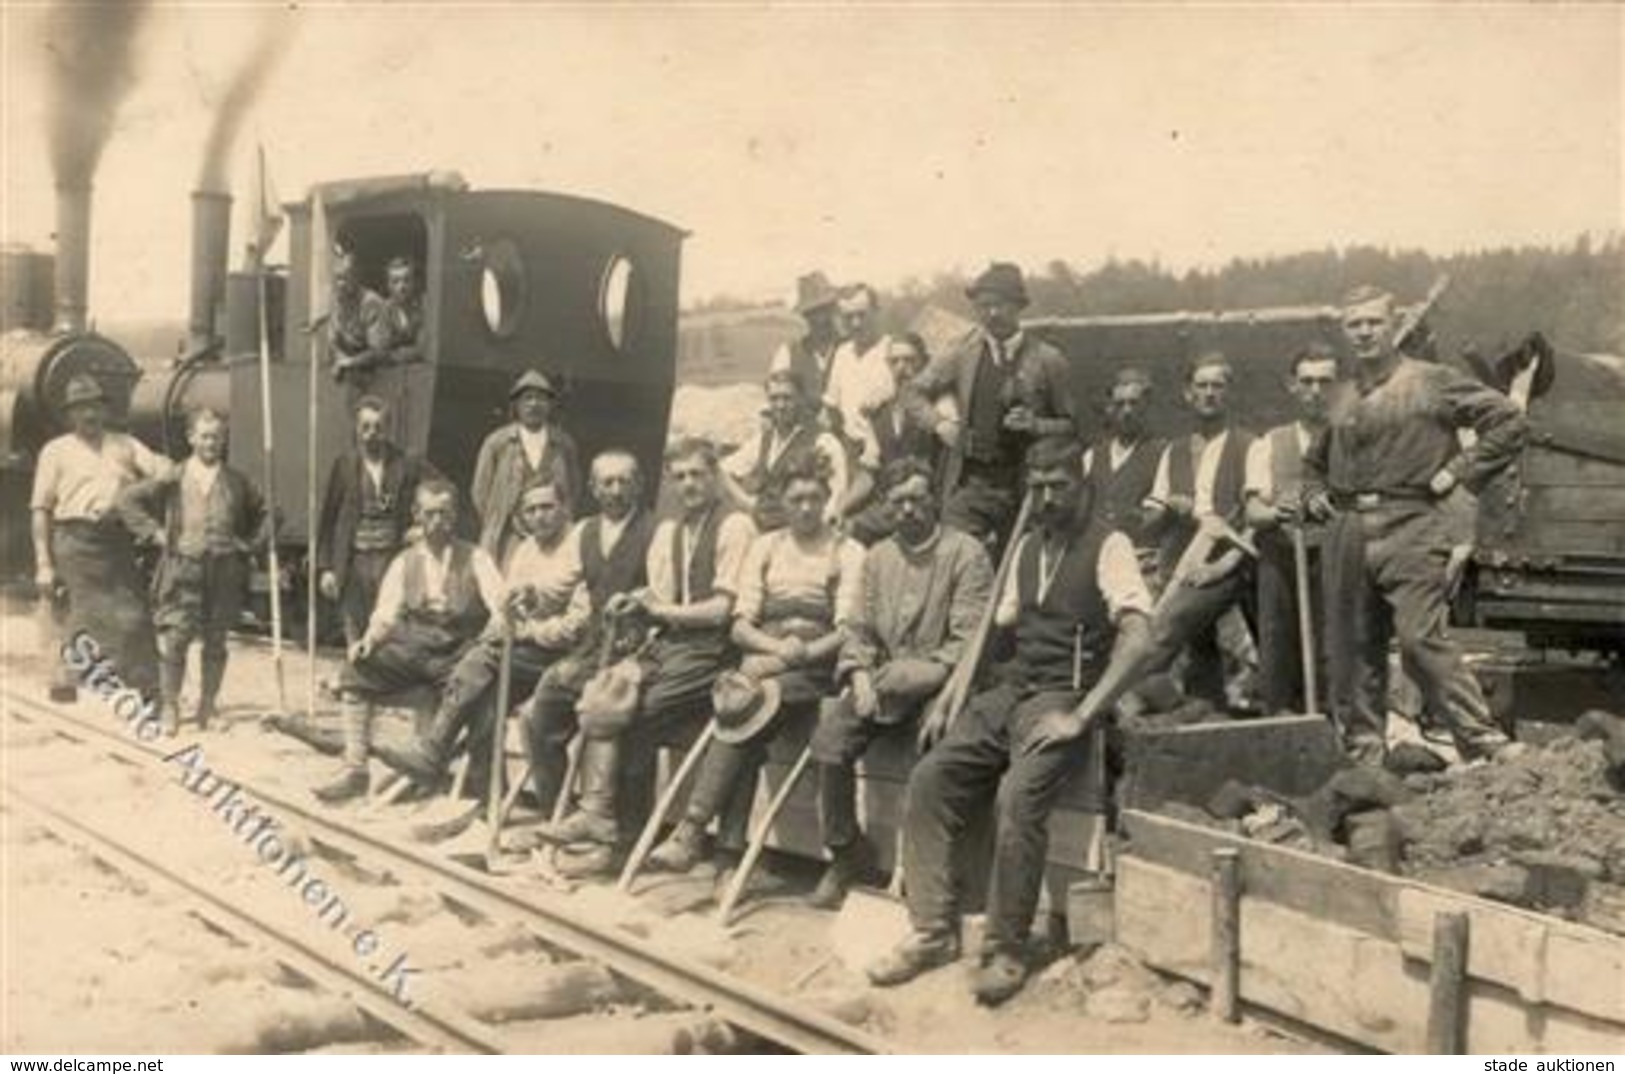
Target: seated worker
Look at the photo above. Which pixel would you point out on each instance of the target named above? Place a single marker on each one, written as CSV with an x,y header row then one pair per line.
x,y
790,433
891,432
614,547
1075,589
798,591
694,568
520,454
547,611
436,597
207,518
924,588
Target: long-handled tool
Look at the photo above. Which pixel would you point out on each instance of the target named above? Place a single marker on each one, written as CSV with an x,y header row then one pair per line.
x,y
758,839
499,747
1306,622
267,444
646,839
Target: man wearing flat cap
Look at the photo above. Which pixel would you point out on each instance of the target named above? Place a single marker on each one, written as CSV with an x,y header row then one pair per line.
x,y
1011,390
80,541
524,452
811,356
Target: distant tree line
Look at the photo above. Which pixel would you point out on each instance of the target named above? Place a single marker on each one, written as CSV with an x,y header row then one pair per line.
x,y
1575,294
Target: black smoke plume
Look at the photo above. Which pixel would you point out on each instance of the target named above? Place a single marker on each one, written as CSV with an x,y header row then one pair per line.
x,y
275,34
90,66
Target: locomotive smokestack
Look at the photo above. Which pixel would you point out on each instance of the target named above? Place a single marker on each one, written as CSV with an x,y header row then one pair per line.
x,y
211,249
72,256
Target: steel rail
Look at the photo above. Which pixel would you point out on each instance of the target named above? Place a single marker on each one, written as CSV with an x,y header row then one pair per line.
x,y
738,1002
424,1023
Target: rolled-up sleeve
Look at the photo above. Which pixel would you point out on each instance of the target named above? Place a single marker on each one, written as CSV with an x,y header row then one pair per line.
x,y
751,583
391,593
1258,479
849,587
734,539
1121,583
493,590
1009,609
47,478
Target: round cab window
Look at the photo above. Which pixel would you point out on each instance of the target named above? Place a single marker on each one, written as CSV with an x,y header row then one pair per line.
x,y
502,287
617,301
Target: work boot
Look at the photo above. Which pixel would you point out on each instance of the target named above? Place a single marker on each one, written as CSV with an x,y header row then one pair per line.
x,y
171,673
416,760
837,880
212,672
920,952
595,821
353,783
587,862
682,850
998,978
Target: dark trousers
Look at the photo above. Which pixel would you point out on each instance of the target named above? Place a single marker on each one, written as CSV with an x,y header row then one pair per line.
x,y
1385,577
985,504
106,597
980,763
1187,621
1280,646
197,598
838,743
470,699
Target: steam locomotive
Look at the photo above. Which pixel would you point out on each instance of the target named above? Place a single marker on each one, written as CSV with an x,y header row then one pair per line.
x,y
511,280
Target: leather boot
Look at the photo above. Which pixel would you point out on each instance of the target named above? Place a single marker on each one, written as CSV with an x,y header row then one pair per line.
x,y
213,674
838,878
171,675
595,821
682,850
352,783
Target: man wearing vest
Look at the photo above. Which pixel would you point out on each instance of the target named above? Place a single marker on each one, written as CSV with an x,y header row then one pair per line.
x,y
810,356
790,435
366,513
1010,389
80,542
548,611
694,564
614,548
894,434
1121,466
435,598
1386,468
1274,494
207,518
1076,587
521,454
1198,483
923,592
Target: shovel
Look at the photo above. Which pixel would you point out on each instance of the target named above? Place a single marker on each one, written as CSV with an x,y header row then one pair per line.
x,y
871,922
1306,622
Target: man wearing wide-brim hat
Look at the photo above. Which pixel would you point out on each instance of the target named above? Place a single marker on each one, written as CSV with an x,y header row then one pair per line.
x,y
519,454
1011,389
80,542
811,356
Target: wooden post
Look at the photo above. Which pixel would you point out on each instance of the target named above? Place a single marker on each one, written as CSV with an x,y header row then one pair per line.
x,y
1447,988
1226,998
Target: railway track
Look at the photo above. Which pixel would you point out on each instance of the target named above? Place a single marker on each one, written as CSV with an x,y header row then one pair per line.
x,y
435,1023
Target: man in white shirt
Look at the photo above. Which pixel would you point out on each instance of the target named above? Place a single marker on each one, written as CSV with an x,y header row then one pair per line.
x,y
859,378
435,599
1198,486
1274,493
79,541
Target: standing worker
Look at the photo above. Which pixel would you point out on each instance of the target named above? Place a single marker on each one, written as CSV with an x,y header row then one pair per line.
x,y
1387,468
208,519
518,455
79,541
811,356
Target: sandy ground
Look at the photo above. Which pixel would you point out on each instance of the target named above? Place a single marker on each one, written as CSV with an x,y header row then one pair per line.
x,y
79,935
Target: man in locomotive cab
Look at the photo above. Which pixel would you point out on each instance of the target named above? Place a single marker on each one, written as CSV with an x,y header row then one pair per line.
x,y
355,314
790,433
1075,591
546,609
1383,474
694,566
1195,512
208,519
923,590
809,357
434,601
1274,494
894,433
80,543
1122,465
366,514
393,336
519,454
1010,389
614,546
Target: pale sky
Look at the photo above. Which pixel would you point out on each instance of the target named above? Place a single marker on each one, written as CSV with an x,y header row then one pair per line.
x,y
883,142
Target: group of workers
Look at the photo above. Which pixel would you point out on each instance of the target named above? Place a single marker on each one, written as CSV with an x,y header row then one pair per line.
x,y
839,569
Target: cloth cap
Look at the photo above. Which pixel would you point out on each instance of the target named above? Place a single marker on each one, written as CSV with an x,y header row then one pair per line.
x,y
1001,279
82,389
533,380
